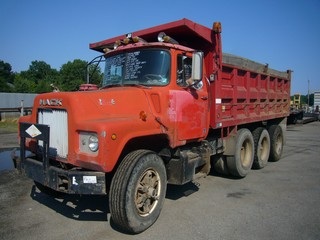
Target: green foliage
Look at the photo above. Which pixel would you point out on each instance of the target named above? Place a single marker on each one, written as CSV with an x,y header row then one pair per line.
x,y
95,75
72,75
23,85
304,99
43,86
40,76
38,71
6,77
4,87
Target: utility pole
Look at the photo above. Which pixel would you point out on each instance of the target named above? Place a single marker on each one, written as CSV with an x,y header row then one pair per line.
x,y
308,95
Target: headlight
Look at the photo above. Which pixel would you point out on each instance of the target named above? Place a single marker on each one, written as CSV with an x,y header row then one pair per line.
x,y
93,143
88,142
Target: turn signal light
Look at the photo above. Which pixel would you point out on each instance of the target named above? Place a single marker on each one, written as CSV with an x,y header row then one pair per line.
x,y
113,136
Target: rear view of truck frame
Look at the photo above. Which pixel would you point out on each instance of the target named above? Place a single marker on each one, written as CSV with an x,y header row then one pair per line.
x,y
171,107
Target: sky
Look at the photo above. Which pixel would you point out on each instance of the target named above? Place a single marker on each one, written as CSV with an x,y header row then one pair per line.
x,y
283,33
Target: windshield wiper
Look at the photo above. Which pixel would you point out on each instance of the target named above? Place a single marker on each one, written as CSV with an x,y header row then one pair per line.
x,y
111,85
126,84
137,85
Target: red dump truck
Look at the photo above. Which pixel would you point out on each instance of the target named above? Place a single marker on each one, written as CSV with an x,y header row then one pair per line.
x,y
171,107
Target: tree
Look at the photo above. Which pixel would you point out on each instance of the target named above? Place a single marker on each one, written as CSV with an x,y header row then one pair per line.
x,y
304,99
4,87
95,75
23,85
6,76
43,86
38,70
73,74
42,75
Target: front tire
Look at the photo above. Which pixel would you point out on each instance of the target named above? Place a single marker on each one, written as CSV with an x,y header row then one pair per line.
x,y
137,191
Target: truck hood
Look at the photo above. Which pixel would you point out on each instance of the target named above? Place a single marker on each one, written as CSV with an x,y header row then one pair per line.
x,y
115,103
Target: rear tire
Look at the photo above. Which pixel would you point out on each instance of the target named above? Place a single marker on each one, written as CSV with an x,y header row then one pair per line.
x,y
277,141
240,163
137,191
261,147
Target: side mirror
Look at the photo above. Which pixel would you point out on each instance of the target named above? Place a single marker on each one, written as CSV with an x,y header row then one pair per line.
x,y
197,66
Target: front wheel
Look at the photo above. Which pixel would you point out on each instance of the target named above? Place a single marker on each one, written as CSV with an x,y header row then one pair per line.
x,y
137,191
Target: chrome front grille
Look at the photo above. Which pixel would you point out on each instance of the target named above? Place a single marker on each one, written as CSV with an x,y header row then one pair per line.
x,y
57,120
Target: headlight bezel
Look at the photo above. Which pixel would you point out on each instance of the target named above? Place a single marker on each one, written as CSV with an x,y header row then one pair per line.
x,y
88,142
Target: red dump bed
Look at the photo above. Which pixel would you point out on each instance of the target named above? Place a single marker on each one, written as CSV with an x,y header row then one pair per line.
x,y
242,91
250,92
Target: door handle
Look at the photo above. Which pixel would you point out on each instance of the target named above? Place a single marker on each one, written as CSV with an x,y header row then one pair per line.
x,y
204,98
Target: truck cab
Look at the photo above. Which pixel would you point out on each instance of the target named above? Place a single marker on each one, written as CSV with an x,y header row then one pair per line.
x,y
173,86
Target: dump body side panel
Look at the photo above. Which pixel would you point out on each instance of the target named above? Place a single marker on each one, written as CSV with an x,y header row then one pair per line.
x,y
249,92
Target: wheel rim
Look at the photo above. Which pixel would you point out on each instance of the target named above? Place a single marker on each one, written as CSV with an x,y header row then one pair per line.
x,y
264,149
246,153
278,144
147,192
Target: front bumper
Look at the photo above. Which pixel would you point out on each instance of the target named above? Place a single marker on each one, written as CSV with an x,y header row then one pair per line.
x,y
73,181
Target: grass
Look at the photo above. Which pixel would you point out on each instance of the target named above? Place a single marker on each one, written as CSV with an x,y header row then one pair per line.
x,y
9,125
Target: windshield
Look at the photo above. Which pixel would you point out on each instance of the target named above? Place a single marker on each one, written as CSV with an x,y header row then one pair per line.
x,y
149,67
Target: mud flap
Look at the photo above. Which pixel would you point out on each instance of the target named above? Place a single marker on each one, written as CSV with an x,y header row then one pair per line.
x,y
190,165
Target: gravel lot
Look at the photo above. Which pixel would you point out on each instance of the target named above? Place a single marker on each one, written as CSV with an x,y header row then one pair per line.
x,y
281,201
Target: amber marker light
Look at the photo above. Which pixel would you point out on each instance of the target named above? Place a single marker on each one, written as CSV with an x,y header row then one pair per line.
x,y
126,41
143,115
166,39
116,44
113,136
217,27
135,39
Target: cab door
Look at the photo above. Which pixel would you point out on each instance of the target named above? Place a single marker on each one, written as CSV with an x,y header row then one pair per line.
x,y
189,103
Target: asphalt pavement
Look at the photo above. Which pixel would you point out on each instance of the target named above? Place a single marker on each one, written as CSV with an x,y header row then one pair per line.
x,y
281,201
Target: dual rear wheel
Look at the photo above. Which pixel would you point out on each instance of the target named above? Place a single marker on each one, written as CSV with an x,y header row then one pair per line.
x,y
252,150
262,147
